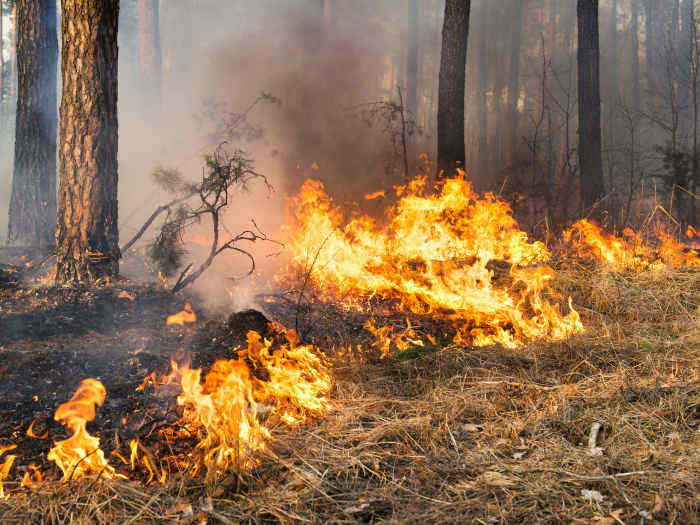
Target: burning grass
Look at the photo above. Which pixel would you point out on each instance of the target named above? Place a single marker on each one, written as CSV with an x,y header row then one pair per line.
x,y
423,420
486,434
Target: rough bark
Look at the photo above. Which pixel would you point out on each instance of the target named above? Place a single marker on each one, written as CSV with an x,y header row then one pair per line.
x,y
87,236
590,157
482,105
412,65
32,217
514,81
150,60
451,85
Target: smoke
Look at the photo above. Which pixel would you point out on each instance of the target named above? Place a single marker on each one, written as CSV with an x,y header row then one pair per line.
x,y
320,65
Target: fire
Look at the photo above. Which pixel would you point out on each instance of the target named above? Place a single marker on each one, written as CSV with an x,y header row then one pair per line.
x,y
185,316
590,241
6,466
80,454
433,254
290,383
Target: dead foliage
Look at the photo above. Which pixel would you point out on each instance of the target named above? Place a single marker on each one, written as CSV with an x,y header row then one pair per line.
x,y
456,434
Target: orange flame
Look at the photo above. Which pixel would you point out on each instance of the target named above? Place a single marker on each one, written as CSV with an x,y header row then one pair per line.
x,y
80,454
432,256
590,241
6,466
33,478
226,408
185,316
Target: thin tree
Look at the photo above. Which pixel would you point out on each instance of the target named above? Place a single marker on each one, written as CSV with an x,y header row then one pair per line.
x,y
412,65
589,150
513,83
87,237
150,59
453,58
32,217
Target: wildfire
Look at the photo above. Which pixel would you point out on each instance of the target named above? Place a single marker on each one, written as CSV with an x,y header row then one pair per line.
x,y
80,454
630,251
226,409
434,253
185,316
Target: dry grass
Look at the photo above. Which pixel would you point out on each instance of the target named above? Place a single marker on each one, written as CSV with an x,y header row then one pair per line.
x,y
472,435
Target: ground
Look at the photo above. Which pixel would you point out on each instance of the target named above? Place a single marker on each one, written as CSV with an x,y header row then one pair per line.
x,y
443,435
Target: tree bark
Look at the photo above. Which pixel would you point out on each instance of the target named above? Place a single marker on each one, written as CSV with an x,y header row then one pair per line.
x,y
150,59
32,217
412,65
453,60
87,237
482,103
514,83
590,157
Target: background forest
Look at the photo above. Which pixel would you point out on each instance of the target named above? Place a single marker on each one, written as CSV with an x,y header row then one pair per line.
x,y
213,58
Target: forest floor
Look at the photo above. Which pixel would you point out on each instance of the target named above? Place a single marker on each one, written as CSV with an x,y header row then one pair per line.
x,y
454,435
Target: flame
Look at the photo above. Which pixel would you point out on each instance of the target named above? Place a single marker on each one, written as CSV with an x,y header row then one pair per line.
x,y
6,466
375,195
432,255
592,242
80,454
185,316
32,479
31,433
226,409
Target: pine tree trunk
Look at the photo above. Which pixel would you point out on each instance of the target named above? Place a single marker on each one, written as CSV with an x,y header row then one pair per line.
x,y
32,218
482,104
2,64
87,238
650,56
150,59
636,93
590,157
13,57
412,65
453,60
514,82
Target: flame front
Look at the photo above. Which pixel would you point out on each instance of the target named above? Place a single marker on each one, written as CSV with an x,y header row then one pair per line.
x,y
433,254
80,454
631,251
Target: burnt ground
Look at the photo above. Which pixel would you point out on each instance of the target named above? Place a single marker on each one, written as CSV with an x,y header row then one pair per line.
x,y
53,338
442,435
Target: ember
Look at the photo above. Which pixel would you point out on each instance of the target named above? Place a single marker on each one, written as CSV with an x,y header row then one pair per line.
x,y
185,316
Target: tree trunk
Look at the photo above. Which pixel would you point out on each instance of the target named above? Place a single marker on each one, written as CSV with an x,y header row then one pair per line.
x,y
514,83
87,239
2,63
13,57
482,103
150,60
412,65
590,161
453,60
636,94
650,56
32,219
